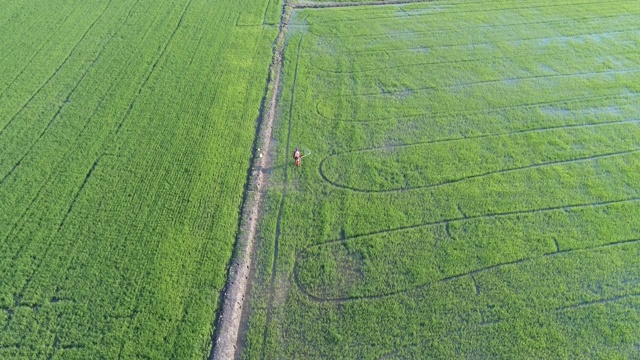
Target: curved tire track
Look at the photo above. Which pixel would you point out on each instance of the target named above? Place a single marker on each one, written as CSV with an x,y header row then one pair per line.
x,y
479,176
316,298
571,100
485,82
488,135
565,207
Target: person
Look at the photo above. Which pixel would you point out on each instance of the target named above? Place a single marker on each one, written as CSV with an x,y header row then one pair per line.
x,y
297,157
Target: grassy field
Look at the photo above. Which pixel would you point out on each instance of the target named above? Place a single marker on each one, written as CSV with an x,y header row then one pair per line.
x,y
472,189
126,129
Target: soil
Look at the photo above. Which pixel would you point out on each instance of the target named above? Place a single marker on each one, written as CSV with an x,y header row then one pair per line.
x,y
228,325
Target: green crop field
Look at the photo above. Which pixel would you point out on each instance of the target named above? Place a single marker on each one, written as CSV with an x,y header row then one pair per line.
x,y
126,129
472,189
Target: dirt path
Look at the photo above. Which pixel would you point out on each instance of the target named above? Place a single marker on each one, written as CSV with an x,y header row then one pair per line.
x,y
228,325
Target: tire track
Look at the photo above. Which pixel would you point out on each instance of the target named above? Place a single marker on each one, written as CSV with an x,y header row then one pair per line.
x,y
331,5
495,81
139,289
226,336
52,120
548,312
479,176
475,285
45,43
313,63
205,248
467,28
54,173
153,68
360,19
24,213
49,245
77,194
475,290
67,100
152,257
471,47
266,11
272,290
598,302
571,100
30,278
54,300
64,62
138,292
465,217
488,135
374,3
195,52
22,217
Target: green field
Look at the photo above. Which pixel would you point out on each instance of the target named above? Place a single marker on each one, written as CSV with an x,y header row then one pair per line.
x,y
472,189
126,129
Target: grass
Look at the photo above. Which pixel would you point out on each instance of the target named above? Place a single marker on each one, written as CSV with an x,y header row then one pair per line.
x,y
125,136
472,189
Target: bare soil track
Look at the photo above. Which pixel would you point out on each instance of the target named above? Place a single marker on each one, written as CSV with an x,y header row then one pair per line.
x,y
225,338
228,324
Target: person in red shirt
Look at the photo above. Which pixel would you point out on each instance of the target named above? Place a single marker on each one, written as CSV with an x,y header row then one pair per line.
x,y
297,157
